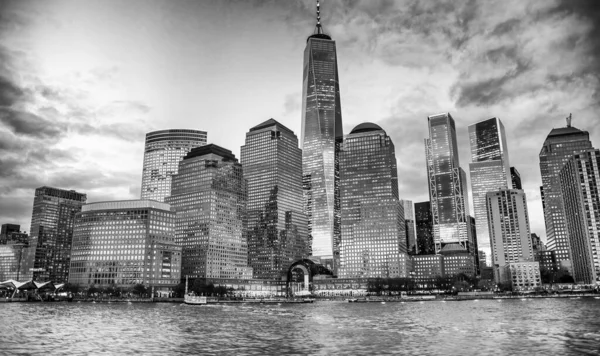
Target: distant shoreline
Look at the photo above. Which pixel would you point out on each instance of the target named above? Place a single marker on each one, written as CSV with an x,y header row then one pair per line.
x,y
377,299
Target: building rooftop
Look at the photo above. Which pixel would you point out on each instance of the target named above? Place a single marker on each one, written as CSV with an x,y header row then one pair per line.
x,y
212,148
269,123
366,127
126,204
566,131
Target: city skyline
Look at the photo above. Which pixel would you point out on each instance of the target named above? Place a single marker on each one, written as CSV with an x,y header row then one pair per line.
x,y
66,120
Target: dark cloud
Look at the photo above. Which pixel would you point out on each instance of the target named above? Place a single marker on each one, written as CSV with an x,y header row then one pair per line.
x,y
508,26
9,92
26,123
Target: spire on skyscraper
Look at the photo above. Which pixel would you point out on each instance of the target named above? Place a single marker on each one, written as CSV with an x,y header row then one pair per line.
x,y
569,118
319,33
319,29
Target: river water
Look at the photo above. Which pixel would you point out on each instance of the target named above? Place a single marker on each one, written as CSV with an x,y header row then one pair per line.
x,y
485,327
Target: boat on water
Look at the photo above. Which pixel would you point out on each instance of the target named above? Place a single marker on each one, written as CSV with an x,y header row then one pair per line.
x,y
194,300
308,300
356,300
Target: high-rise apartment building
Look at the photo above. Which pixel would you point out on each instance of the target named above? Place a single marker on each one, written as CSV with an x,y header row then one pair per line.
x,y
447,186
49,254
162,153
409,226
123,243
558,148
580,190
209,195
321,138
509,228
424,228
373,230
490,171
277,226
515,177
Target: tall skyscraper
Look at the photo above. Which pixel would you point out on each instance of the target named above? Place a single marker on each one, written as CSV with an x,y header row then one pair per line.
x,y
447,187
51,234
123,243
424,225
490,171
277,226
559,147
164,149
509,228
209,195
373,231
580,182
321,138
515,177
409,226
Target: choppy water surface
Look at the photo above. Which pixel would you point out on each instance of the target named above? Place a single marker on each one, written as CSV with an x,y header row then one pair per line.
x,y
485,327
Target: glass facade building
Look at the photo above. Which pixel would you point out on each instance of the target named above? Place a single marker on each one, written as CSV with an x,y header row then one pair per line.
x,y
448,192
409,226
162,153
51,234
373,229
558,148
490,171
424,228
209,195
277,226
580,182
321,138
123,243
509,227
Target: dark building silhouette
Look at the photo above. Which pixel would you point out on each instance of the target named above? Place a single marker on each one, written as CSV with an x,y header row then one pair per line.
x,y
516,178
424,228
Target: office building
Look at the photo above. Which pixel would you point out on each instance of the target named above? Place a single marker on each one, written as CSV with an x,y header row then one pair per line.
x,y
277,225
509,228
409,226
448,192
321,138
162,153
547,260
490,171
558,148
427,267
515,177
580,182
209,195
536,243
6,230
373,229
124,243
13,245
524,275
424,228
51,234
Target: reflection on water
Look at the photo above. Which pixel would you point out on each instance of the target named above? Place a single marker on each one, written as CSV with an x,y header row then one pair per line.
x,y
510,327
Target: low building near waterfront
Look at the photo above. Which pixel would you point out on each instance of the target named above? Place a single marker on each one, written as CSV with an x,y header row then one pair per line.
x,y
523,276
427,267
123,243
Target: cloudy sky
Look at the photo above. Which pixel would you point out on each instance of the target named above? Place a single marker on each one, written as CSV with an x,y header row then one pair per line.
x,y
81,82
